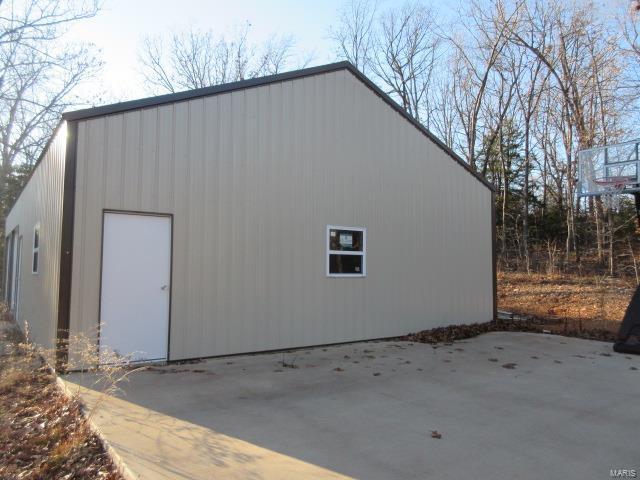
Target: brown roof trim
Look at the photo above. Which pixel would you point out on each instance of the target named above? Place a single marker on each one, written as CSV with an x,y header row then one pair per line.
x,y
66,246
202,92
418,125
256,82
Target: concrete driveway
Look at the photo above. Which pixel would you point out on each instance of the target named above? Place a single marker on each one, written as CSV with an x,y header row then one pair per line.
x,y
507,406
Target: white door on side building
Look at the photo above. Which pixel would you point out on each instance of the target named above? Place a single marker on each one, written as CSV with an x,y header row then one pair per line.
x,y
136,290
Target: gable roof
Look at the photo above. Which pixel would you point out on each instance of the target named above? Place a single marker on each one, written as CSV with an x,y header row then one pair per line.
x,y
256,82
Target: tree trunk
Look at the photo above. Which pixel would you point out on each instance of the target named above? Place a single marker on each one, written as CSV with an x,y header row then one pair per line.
x,y
505,190
611,258
576,213
599,214
525,207
544,184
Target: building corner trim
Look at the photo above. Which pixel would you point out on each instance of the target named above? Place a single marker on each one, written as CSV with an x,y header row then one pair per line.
x,y
494,256
66,246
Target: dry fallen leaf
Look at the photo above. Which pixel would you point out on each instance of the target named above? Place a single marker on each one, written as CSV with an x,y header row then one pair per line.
x,y
436,434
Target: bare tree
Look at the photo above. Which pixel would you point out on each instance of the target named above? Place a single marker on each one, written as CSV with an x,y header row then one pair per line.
x,y
554,75
529,94
500,93
629,22
38,74
475,58
195,59
400,48
354,33
444,121
406,51
562,37
548,126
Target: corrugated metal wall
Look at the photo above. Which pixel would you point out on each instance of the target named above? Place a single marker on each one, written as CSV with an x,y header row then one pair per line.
x,y
253,178
41,202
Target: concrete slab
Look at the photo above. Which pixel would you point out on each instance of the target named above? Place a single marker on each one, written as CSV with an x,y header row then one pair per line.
x,y
508,406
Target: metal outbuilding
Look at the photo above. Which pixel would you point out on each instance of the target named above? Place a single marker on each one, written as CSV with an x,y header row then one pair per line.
x,y
298,209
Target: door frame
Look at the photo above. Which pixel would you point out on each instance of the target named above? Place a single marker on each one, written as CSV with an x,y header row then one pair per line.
x,y
9,268
18,275
143,214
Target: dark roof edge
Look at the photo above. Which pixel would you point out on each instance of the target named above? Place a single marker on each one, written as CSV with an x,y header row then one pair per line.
x,y
256,82
369,83
202,92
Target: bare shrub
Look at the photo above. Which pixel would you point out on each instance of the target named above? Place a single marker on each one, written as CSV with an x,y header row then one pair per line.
x,y
553,254
43,432
25,372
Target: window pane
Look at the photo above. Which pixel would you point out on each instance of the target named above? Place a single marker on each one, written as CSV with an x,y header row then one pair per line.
x,y
35,262
36,238
350,264
350,240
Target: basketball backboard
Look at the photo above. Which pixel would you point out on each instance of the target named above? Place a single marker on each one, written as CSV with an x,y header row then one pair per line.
x,y
609,170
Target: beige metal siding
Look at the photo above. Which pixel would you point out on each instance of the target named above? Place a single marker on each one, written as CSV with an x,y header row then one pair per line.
x,y
253,178
41,202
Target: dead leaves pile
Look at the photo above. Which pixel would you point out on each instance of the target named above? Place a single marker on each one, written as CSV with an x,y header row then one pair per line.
x,y
534,325
43,434
460,332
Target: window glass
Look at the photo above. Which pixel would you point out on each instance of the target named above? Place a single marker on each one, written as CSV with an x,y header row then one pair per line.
x,y
349,240
345,264
36,249
346,251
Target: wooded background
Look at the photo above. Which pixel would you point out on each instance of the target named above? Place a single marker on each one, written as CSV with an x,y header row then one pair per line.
x,y
516,88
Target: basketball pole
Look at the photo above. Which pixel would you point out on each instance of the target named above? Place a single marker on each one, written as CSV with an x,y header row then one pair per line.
x,y
636,197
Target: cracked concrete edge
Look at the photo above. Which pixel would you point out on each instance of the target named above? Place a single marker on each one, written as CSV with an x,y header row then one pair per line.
x,y
120,464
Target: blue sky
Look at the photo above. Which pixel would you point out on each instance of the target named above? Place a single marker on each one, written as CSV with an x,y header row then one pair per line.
x,y
122,24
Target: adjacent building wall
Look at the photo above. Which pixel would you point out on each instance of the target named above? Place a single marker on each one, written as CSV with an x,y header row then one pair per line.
x,y
41,203
252,178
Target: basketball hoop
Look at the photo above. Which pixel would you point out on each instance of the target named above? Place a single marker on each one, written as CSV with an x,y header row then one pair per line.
x,y
612,188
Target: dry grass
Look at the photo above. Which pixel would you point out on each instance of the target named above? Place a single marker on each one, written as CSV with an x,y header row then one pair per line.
x,y
43,433
570,300
563,304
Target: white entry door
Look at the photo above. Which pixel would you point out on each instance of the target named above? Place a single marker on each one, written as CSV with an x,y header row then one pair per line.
x,y
136,271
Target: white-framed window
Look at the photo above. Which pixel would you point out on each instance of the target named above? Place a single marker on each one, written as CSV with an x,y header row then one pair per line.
x,y
346,251
35,253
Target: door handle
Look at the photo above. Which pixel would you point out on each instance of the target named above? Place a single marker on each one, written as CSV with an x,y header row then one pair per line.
x,y
164,287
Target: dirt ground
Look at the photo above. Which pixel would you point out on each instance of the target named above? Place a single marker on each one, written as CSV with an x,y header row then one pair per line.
x,y
563,304
43,434
570,301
